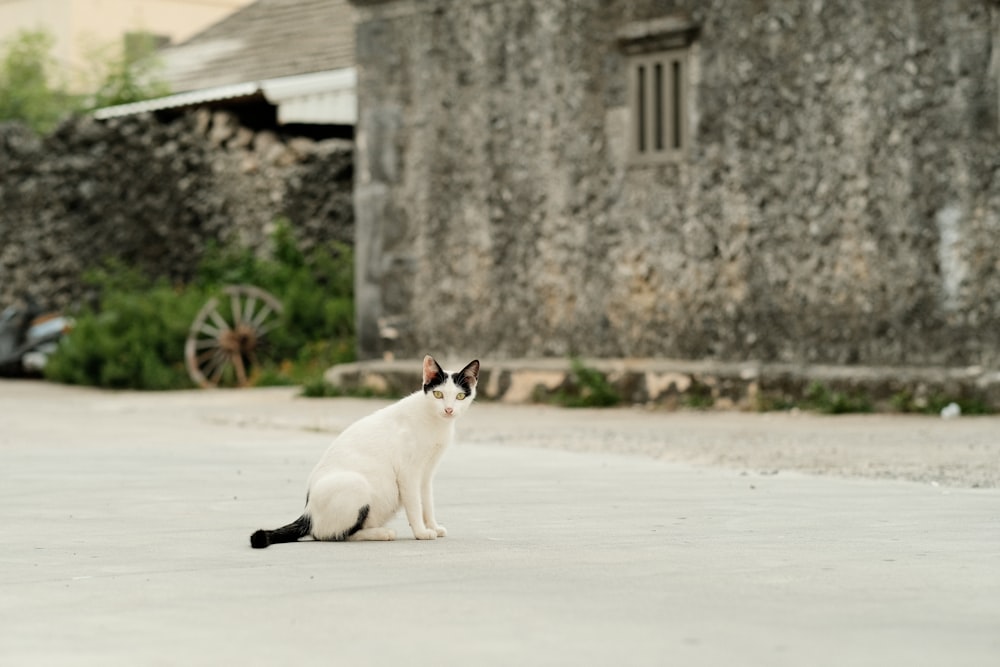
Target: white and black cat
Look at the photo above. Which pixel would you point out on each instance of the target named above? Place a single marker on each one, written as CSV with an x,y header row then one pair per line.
x,y
382,461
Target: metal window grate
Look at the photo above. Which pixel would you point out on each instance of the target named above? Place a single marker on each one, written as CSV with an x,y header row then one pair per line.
x,y
658,100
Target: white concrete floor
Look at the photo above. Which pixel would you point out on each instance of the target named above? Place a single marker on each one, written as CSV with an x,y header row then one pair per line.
x,y
125,521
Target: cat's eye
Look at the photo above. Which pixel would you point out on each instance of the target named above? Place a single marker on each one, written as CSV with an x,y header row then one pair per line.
x,y
438,394
460,396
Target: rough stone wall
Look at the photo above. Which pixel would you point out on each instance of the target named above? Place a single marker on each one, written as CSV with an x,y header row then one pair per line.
x,y
154,194
840,203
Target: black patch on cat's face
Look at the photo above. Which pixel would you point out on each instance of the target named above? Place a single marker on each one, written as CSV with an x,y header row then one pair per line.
x,y
467,377
461,381
438,379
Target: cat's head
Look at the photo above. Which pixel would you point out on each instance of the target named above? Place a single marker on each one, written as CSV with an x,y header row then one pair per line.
x,y
450,393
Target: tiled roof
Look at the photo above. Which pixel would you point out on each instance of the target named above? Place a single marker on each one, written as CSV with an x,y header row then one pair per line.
x,y
265,40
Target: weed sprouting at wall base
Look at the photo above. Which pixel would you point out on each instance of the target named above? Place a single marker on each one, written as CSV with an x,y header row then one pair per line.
x,y
585,387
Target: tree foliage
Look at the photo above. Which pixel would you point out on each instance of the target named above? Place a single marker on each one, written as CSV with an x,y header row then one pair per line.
x,y
33,91
122,76
29,89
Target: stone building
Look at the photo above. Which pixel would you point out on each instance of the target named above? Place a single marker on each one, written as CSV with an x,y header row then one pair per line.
x,y
805,181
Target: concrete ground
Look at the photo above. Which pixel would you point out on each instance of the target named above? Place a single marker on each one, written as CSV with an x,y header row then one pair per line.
x,y
664,538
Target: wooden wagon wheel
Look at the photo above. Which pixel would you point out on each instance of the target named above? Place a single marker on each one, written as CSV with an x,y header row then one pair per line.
x,y
222,343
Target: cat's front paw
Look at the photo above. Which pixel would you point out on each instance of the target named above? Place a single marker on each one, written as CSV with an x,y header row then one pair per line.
x,y
440,530
425,534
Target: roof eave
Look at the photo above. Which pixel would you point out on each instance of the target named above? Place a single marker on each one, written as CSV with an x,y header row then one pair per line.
x,y
318,97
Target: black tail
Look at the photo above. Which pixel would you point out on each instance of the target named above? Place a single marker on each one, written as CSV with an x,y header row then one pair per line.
x,y
290,533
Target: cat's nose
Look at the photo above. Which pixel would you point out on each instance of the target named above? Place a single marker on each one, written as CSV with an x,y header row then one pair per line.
x,y
448,411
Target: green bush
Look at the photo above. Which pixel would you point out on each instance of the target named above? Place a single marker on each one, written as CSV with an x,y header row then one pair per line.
x,y
317,290
134,338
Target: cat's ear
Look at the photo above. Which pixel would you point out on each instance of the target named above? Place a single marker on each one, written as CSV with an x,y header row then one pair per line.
x,y
471,372
431,370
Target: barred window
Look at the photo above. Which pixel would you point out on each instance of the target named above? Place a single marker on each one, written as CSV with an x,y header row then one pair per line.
x,y
658,103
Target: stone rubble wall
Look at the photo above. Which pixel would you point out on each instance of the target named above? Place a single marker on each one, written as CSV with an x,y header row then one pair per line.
x,y
154,194
840,204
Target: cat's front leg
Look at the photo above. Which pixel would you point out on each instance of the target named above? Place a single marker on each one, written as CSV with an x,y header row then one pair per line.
x,y
410,495
427,496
